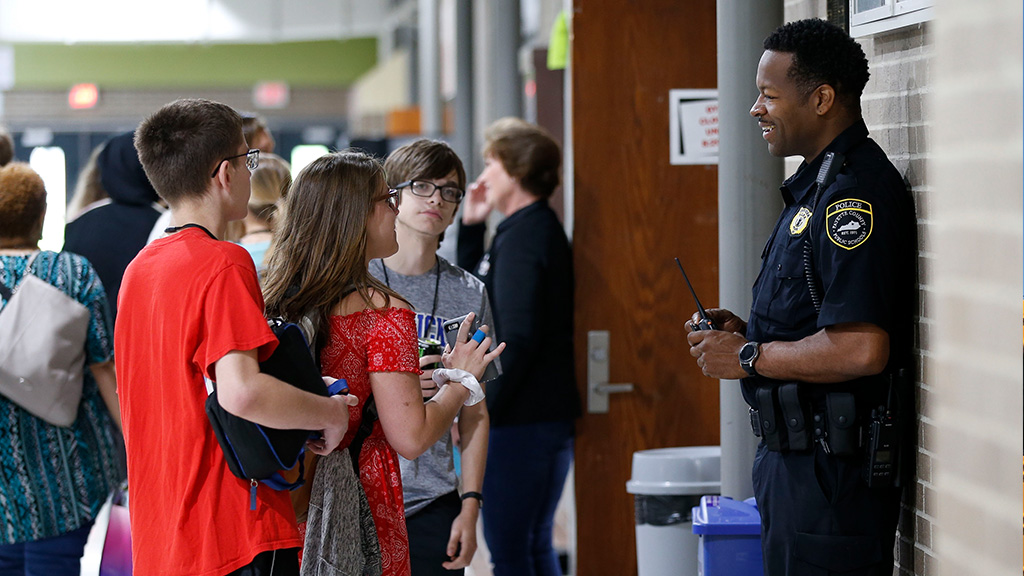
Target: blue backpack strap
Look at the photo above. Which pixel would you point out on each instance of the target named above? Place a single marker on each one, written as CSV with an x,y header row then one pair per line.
x,y
277,482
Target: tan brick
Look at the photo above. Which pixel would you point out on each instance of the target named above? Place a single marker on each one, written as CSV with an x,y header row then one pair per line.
x,y
929,565
923,531
924,467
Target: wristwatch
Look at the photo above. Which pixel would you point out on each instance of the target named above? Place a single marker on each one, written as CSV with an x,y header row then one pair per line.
x,y
748,355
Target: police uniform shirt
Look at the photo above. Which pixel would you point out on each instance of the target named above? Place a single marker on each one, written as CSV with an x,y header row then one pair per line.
x,y
863,233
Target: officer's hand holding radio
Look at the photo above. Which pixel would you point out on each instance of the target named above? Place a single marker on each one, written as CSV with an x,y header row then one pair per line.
x,y
716,337
721,318
717,352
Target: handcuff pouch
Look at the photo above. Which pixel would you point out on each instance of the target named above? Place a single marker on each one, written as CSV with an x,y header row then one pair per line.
x,y
794,417
843,432
769,418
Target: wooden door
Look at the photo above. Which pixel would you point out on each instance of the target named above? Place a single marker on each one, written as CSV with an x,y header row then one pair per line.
x,y
634,212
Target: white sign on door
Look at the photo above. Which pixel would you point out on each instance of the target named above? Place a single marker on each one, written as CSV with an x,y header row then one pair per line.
x,y
693,126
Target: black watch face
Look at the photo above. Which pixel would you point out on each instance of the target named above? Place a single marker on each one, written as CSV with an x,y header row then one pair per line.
x,y
748,351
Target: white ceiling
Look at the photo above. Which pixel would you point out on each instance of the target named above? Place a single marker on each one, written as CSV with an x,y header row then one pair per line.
x,y
229,21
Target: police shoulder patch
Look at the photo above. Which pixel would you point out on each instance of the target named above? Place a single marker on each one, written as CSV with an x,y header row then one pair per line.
x,y
799,222
848,222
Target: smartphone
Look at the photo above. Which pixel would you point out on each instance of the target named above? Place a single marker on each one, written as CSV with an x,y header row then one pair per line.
x,y
451,335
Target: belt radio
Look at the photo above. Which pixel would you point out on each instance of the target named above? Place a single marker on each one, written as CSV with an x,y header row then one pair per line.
x,y
883,438
881,450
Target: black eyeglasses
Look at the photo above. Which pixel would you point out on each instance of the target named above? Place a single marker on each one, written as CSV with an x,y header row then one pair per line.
x,y
426,189
252,160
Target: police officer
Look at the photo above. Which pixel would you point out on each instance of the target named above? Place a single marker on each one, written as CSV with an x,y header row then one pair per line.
x,y
831,322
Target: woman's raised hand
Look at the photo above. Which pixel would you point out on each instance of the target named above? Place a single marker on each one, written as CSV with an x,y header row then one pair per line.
x,y
475,208
470,354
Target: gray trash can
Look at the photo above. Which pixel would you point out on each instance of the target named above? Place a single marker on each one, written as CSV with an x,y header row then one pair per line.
x,y
667,483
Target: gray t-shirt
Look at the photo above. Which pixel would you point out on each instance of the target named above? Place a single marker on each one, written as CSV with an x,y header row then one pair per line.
x,y
458,292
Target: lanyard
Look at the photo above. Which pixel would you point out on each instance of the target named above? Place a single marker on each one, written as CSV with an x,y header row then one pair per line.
x,y
173,229
437,284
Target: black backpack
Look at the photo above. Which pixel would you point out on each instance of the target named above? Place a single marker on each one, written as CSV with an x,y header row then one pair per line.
x,y
258,453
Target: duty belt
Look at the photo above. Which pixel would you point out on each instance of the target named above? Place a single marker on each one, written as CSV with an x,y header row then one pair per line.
x,y
788,423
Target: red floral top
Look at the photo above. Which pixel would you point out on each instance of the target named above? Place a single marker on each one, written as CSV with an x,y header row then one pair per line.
x,y
360,343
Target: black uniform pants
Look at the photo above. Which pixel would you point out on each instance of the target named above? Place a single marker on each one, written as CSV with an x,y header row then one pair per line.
x,y
819,518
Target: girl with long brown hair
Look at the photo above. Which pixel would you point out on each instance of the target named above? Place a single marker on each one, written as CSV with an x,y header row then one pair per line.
x,y
339,215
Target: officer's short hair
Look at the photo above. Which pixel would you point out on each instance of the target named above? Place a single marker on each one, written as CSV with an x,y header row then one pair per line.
x,y
823,54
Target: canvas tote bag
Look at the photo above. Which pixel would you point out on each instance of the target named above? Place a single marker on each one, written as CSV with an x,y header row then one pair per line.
x,y
42,348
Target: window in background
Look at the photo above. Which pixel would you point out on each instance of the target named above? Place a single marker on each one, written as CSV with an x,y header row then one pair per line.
x,y
304,154
874,16
48,161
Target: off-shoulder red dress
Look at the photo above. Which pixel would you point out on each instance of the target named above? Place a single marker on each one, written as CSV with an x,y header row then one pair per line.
x,y
360,343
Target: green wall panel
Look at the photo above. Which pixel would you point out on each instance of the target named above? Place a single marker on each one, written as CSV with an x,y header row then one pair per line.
x,y
319,63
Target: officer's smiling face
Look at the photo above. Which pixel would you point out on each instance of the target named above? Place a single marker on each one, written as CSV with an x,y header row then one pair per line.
x,y
785,113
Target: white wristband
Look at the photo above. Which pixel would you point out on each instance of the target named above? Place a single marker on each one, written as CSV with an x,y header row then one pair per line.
x,y
444,375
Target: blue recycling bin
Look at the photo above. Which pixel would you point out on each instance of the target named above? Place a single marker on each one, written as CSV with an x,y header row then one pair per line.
x,y
730,537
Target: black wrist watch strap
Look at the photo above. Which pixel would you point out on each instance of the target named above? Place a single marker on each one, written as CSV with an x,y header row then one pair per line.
x,y
749,354
479,497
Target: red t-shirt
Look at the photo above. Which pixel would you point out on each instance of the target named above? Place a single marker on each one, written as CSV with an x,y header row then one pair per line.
x,y
185,302
361,343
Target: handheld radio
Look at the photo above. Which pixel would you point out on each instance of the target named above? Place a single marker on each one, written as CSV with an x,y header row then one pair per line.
x,y
705,322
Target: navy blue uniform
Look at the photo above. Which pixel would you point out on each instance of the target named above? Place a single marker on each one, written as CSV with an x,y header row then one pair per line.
x,y
818,515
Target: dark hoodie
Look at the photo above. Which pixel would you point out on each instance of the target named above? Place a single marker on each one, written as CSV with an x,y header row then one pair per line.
x,y
111,233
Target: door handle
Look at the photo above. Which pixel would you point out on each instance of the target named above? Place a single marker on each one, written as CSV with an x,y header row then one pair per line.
x,y
598,387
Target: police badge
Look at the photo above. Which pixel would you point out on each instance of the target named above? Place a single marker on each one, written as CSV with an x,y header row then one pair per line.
x,y
799,222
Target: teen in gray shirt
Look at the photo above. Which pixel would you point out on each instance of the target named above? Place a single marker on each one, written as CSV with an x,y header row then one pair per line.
x,y
441,523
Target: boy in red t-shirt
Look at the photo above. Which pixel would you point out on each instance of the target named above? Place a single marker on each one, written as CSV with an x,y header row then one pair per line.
x,y
190,309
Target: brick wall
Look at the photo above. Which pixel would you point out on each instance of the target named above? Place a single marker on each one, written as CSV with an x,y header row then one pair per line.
x,y
973,363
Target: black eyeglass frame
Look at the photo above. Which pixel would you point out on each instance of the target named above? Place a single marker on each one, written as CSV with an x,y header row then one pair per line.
x,y
411,185
252,160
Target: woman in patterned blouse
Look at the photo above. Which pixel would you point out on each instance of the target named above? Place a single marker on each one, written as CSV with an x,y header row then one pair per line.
x,y
53,479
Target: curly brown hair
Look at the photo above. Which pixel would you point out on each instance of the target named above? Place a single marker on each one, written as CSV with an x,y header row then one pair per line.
x,y
6,147
22,202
